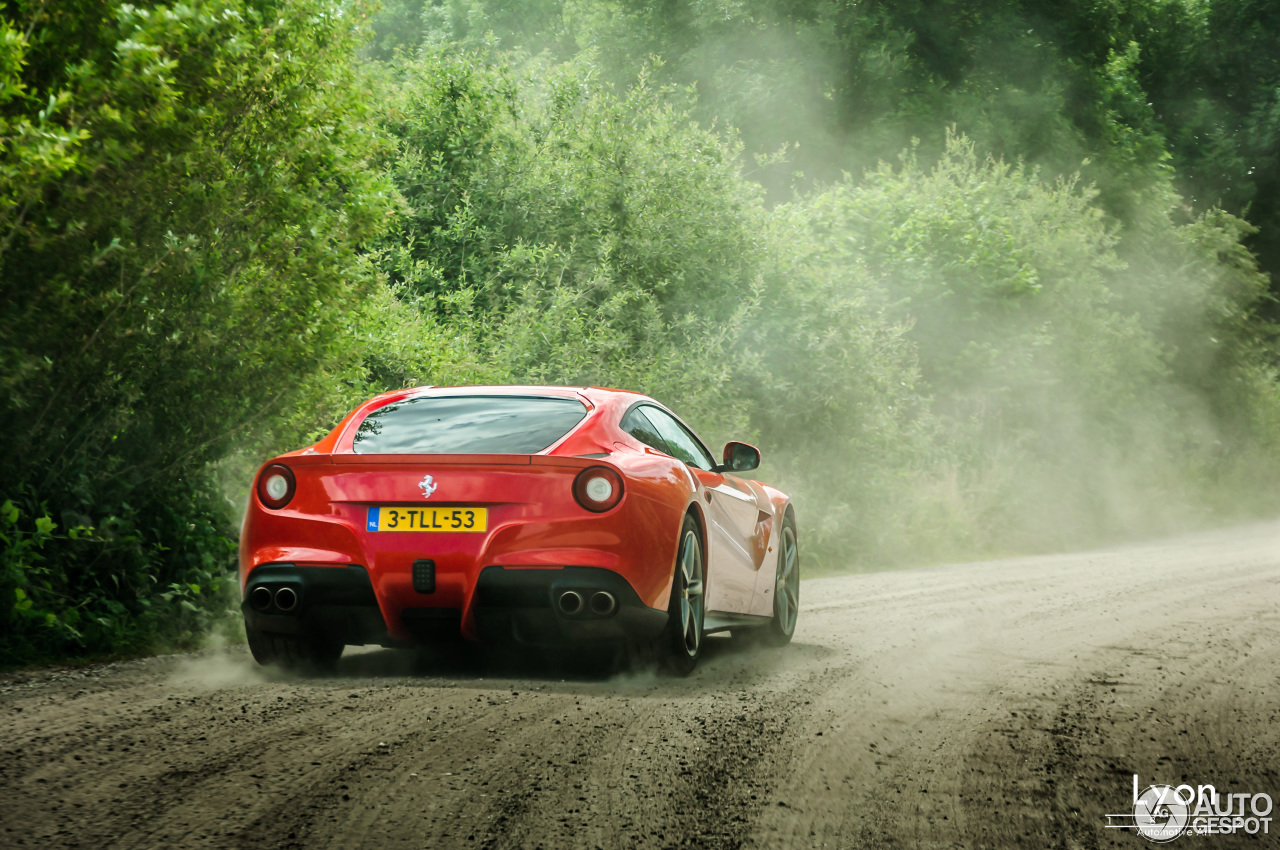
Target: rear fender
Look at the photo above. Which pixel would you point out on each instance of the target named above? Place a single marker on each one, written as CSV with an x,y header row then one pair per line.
x,y
778,506
695,508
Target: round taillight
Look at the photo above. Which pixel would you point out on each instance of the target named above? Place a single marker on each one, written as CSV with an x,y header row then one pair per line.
x,y
598,489
276,486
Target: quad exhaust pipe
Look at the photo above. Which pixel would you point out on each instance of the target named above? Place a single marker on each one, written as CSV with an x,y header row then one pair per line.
x,y
570,603
602,603
286,599
260,598
275,600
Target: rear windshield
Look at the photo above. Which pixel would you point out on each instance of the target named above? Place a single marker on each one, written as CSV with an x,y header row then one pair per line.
x,y
468,425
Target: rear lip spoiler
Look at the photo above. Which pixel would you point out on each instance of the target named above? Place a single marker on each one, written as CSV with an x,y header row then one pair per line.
x,y
508,460
472,460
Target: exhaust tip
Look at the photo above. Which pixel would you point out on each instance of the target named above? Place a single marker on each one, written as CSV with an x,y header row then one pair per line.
x,y
260,598
603,603
286,599
570,602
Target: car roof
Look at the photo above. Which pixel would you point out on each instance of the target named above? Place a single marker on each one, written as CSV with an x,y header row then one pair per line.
x,y
596,395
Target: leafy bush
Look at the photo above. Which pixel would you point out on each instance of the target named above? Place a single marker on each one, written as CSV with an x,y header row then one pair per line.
x,y
572,234
181,198
78,589
1077,397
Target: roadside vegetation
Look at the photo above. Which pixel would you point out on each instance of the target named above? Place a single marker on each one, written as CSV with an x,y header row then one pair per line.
x,y
978,278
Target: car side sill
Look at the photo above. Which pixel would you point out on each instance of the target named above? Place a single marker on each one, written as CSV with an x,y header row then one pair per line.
x,y
723,621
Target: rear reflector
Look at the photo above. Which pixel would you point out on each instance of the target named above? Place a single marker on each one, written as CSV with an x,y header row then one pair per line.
x,y
424,576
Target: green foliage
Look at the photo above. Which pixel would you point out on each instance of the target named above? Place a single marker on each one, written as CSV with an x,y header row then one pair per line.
x,y
835,396
1070,388
575,234
76,589
175,319
182,192
412,25
1117,90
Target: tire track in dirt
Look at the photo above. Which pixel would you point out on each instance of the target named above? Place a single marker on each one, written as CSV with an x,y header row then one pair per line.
x,y
997,704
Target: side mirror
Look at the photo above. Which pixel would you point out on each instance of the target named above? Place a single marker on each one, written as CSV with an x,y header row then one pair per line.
x,y
740,457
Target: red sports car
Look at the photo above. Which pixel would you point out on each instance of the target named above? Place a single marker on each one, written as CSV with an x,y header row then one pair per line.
x,y
550,516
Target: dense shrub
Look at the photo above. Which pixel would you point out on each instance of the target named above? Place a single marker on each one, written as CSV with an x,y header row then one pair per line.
x,y
576,234
1078,395
182,193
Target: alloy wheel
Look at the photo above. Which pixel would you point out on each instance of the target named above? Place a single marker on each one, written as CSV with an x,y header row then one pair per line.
x,y
691,593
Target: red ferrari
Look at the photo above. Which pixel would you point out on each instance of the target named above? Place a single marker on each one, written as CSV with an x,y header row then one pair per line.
x,y
550,516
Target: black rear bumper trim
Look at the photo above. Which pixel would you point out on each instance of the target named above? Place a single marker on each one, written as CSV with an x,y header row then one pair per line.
x,y
336,603
520,605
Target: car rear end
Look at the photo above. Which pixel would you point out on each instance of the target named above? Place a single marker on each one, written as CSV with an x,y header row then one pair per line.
x,y
381,540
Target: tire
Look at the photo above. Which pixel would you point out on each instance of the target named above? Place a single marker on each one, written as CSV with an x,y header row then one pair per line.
x,y
306,655
786,588
680,645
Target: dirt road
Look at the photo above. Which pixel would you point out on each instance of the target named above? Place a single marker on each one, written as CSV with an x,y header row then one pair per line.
x,y
1000,704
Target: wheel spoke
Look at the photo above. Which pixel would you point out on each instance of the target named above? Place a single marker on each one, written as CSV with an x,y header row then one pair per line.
x,y
687,558
690,589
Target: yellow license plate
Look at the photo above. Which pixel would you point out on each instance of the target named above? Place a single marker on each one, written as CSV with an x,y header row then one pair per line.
x,y
428,519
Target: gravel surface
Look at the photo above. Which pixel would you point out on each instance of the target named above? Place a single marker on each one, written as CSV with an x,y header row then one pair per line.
x,y
997,704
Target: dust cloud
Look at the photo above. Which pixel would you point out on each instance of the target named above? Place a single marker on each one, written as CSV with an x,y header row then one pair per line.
x,y
220,669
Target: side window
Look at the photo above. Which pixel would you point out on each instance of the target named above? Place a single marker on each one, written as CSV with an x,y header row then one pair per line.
x,y
684,445
638,425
